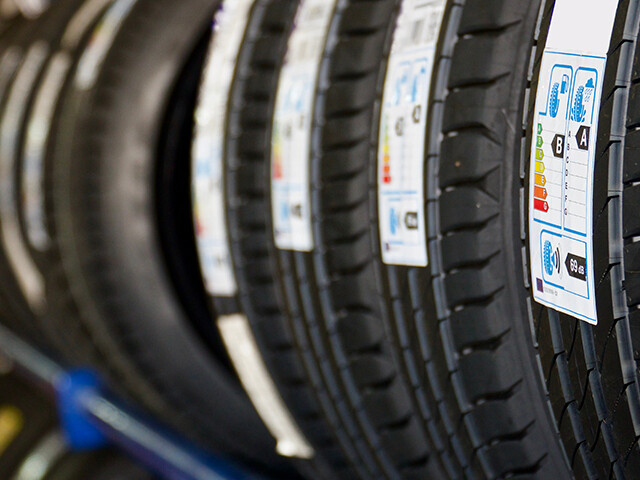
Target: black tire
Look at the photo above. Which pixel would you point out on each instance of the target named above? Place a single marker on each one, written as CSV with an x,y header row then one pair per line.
x,y
591,370
320,328
502,347
261,292
432,357
15,312
344,278
28,48
33,178
376,327
491,358
103,205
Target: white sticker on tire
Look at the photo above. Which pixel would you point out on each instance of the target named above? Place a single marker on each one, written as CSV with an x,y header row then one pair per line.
x,y
254,375
562,159
291,136
401,140
208,149
39,125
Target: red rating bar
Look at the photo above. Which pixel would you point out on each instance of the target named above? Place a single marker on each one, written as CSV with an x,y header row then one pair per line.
x,y
540,205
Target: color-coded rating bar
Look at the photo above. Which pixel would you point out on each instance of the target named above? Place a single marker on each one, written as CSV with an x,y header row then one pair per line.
x,y
386,173
540,193
540,205
541,180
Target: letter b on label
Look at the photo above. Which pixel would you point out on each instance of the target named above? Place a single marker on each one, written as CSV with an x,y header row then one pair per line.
x,y
558,146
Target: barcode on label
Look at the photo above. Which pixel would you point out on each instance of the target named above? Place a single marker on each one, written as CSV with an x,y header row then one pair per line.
x,y
426,27
401,142
417,31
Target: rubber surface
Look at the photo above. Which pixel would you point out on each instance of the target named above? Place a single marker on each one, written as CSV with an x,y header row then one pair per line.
x,y
72,36
262,294
495,390
174,205
398,434
506,353
590,371
15,314
23,40
318,316
103,207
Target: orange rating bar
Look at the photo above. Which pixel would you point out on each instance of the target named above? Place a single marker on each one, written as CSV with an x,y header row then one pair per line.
x,y
541,180
540,205
540,192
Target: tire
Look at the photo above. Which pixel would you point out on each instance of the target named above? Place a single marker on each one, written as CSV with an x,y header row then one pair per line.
x,y
71,343
591,370
492,360
261,291
317,316
28,47
345,279
516,356
433,357
104,180
15,313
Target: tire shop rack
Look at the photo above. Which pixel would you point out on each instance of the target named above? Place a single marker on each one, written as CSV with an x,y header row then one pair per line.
x,y
91,418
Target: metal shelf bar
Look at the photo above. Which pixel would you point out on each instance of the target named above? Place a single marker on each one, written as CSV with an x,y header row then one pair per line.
x,y
91,419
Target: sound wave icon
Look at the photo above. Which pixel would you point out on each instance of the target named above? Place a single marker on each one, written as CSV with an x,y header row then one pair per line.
x,y
555,260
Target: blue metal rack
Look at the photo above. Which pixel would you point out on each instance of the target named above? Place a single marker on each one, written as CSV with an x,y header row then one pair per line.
x,y
91,419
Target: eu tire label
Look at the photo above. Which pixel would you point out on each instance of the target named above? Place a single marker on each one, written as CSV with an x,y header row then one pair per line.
x,y
401,141
562,159
292,124
208,149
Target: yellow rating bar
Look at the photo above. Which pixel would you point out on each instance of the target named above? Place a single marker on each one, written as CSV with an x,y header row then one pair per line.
x,y
539,167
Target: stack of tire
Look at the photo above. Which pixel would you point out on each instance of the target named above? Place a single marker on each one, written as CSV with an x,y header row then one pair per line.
x,y
337,239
